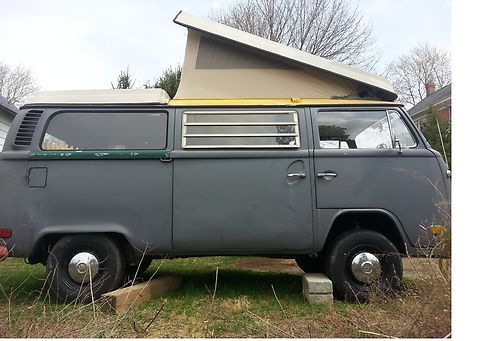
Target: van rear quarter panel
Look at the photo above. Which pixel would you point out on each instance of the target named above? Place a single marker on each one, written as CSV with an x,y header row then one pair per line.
x,y
13,206
87,196
130,197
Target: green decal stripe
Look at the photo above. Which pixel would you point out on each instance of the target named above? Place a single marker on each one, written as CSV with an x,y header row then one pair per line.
x,y
99,154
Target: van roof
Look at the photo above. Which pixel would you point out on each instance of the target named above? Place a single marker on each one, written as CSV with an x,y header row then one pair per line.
x,y
105,96
160,97
291,102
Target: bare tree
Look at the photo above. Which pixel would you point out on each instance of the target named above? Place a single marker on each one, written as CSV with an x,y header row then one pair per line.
x,y
327,28
16,83
410,72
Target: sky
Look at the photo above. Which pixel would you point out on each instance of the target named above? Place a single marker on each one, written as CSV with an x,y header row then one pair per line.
x,y
85,44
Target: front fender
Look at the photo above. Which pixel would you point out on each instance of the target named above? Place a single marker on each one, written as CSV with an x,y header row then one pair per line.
x,y
328,219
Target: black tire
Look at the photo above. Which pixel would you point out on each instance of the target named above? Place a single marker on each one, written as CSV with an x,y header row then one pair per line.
x,y
109,276
309,264
139,269
339,258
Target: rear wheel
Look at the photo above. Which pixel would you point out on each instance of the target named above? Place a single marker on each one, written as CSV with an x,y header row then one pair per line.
x,y
362,261
83,267
142,265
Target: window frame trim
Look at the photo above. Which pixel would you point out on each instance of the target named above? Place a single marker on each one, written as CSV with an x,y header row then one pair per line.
x,y
185,124
317,137
105,111
407,128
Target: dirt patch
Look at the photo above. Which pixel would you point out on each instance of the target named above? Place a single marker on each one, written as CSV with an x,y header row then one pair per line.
x,y
413,268
260,264
423,268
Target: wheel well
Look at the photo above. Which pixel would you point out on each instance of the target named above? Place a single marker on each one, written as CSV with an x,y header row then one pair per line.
x,y
44,244
374,221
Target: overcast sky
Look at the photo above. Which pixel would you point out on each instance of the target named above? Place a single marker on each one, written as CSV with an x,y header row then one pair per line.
x,y
85,44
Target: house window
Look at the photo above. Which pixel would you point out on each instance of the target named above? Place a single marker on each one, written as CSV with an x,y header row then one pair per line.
x,y
240,129
106,131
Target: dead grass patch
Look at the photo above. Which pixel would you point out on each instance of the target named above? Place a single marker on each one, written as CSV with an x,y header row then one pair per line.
x,y
235,305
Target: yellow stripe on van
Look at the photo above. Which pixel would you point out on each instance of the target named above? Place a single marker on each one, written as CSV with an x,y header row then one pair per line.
x,y
272,102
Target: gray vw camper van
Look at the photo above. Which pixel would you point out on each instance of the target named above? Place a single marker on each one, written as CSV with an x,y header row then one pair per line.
x,y
90,181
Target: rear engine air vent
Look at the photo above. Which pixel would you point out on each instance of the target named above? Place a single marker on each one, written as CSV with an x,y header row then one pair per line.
x,y
27,128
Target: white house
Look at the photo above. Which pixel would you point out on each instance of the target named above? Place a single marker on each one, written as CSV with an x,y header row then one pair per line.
x,y
7,113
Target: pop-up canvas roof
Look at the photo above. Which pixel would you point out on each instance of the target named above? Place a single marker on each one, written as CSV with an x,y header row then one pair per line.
x,y
223,62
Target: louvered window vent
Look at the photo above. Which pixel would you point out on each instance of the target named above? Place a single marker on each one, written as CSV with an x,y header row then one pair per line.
x,y
27,128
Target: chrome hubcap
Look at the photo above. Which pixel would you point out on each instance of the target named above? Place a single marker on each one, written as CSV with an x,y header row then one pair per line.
x,y
83,267
366,267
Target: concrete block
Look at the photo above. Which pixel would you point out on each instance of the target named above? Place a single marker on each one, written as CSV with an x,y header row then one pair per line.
x,y
316,284
319,298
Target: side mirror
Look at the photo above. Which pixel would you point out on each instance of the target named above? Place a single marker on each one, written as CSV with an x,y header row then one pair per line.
x,y
397,144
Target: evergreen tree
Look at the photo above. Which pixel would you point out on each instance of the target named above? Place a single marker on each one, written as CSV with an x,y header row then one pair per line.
x,y
431,132
169,80
124,80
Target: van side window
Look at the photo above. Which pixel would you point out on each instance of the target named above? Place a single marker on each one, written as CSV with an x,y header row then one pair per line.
x,y
354,130
106,131
400,130
240,129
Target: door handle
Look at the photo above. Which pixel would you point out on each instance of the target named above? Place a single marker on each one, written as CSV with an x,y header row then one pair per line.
x,y
299,175
327,175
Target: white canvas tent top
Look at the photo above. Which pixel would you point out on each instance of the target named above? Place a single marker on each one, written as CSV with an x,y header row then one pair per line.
x,y
223,62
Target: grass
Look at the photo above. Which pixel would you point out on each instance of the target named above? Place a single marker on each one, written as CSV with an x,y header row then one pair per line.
x,y
244,305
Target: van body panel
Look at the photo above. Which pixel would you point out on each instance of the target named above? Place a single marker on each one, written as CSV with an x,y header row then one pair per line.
x,y
231,204
408,183
85,196
85,191
82,194
13,195
242,199
382,181
230,201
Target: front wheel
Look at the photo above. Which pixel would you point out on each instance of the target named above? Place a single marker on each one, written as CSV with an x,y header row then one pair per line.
x,y
359,262
309,264
83,267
